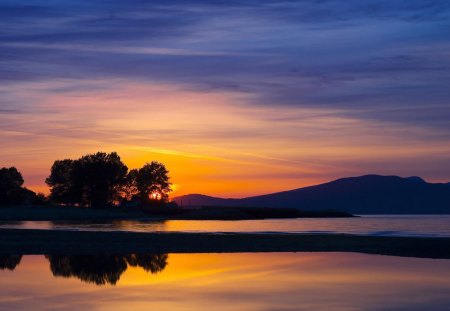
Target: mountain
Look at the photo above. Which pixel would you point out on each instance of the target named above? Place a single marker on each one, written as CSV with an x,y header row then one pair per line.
x,y
369,194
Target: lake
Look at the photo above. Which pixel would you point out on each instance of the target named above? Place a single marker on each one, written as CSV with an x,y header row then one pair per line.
x,y
238,281
381,225
244,281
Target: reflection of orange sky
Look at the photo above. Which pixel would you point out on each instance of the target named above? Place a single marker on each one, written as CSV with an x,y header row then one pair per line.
x,y
206,269
258,281
326,268
212,143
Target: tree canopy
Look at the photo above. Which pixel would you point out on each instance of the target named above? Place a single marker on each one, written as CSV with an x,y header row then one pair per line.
x,y
101,179
151,182
62,181
11,190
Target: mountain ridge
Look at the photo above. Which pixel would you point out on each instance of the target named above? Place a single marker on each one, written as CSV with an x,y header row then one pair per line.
x,y
366,194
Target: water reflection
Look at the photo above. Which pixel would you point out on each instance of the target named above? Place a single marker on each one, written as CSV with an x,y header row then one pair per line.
x,y
223,282
95,269
380,225
95,225
10,262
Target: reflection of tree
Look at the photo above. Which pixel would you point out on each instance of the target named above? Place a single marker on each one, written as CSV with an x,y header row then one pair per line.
x,y
99,270
10,262
150,263
103,269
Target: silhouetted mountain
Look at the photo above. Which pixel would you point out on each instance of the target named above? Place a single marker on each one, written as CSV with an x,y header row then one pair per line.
x,y
369,194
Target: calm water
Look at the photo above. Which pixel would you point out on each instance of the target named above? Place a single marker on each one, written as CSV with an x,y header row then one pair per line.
x,y
404,225
259,281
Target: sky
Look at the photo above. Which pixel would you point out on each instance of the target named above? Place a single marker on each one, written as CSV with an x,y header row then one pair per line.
x,y
236,98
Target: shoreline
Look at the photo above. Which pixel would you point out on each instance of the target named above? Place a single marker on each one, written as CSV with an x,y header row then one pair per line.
x,y
33,242
72,213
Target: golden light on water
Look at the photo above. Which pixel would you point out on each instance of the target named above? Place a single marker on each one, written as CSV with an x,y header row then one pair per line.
x,y
340,281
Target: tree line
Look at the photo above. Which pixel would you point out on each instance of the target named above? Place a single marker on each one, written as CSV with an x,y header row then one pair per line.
x,y
11,190
94,180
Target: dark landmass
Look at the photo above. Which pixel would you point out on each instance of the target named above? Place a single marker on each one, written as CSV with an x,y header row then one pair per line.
x,y
248,213
53,213
26,242
42,213
370,194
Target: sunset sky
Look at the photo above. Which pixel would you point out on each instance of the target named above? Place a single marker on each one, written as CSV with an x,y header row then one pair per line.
x,y
237,98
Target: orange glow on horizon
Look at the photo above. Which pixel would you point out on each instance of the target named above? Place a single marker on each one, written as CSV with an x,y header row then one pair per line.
x,y
211,142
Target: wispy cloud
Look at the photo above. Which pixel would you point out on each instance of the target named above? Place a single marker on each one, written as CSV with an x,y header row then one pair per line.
x,y
321,85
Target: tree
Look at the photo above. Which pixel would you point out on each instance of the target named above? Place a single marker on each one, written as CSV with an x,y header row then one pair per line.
x,y
94,180
103,177
41,199
65,188
11,182
129,190
152,182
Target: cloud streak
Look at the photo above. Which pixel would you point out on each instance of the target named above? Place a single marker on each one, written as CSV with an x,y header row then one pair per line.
x,y
232,75
350,56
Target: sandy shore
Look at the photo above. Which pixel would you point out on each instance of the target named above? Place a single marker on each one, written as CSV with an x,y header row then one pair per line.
x,y
15,241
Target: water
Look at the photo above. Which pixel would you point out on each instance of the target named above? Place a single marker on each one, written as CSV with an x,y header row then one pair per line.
x,y
399,225
250,282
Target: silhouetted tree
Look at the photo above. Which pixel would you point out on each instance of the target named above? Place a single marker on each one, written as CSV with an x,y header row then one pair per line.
x,y
93,180
103,269
11,190
102,179
103,176
66,186
10,178
10,262
152,182
41,199
130,189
